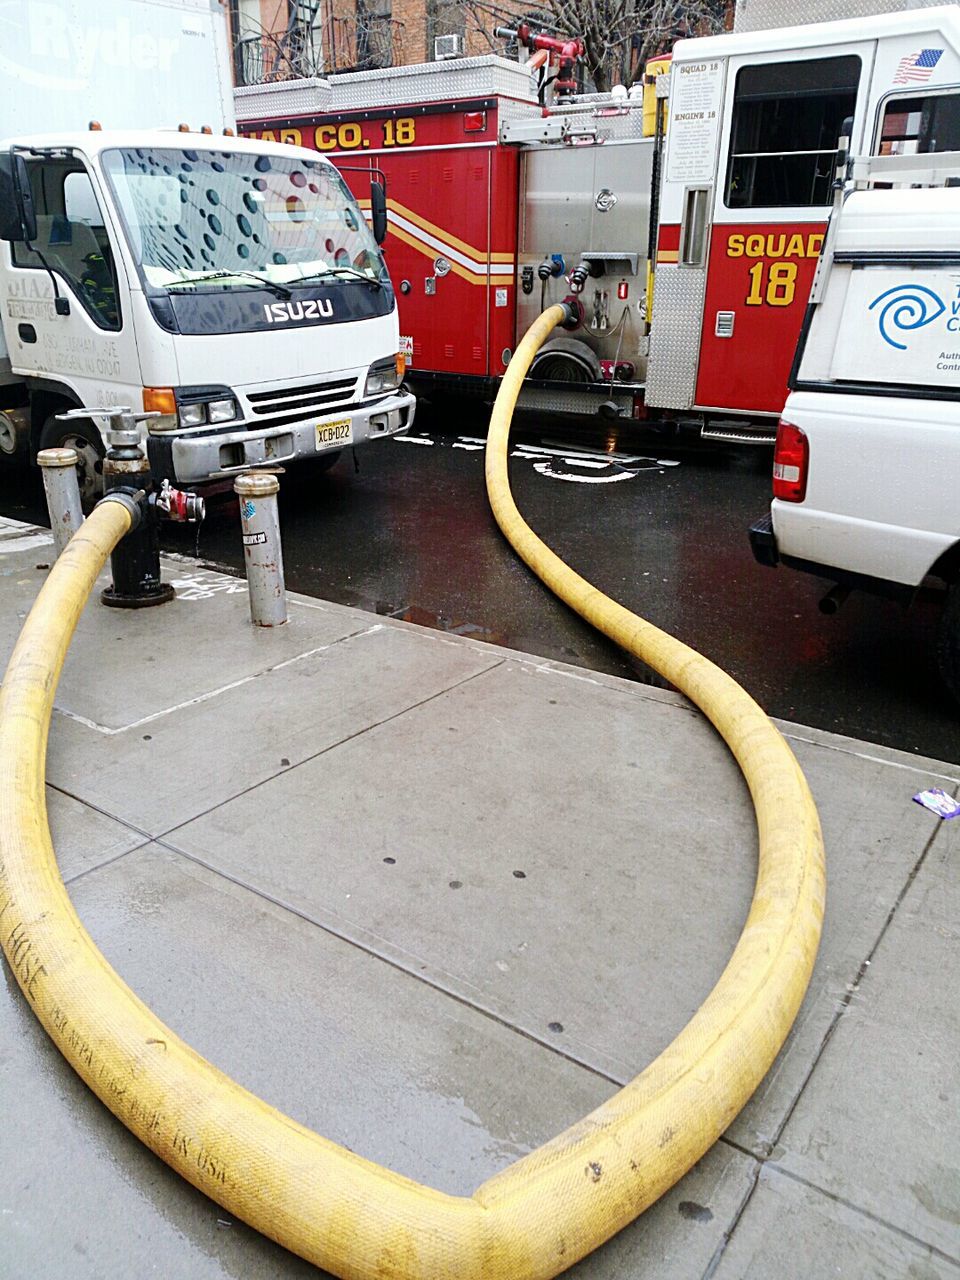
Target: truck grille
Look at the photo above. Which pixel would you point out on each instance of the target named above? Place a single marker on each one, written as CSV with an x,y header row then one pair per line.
x,y
290,404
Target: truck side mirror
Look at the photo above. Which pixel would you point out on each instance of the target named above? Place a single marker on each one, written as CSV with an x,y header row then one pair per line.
x,y
378,207
18,220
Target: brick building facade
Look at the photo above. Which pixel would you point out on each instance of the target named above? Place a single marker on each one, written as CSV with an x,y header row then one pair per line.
x,y
277,39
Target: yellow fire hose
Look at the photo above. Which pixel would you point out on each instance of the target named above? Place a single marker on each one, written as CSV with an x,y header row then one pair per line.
x,y
338,1210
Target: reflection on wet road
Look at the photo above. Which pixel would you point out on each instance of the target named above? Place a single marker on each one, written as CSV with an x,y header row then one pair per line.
x,y
660,530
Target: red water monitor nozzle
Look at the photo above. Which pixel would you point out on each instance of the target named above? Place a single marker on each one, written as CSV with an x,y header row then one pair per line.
x,y
568,50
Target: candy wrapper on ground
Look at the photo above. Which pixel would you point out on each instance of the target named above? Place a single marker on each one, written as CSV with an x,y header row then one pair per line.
x,y
938,802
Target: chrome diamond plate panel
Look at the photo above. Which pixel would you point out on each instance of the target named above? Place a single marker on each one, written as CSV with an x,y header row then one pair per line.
x,y
576,404
282,100
484,77
675,336
601,115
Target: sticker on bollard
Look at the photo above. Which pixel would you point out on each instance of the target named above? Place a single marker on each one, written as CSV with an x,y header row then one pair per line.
x,y
254,539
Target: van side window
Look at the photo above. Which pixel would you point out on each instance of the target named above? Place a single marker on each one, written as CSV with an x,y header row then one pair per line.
x,y
71,237
787,118
917,125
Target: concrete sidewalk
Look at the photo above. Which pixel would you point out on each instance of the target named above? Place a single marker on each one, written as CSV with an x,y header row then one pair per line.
x,y
437,900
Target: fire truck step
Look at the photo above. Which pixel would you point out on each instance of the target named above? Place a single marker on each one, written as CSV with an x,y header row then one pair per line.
x,y
737,433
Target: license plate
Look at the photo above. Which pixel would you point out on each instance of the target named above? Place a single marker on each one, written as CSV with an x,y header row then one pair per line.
x,y
334,434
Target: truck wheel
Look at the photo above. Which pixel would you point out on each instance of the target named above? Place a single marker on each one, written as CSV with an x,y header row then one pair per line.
x,y
948,641
85,438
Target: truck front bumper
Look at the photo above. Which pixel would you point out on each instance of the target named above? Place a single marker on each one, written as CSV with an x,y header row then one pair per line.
x,y
193,458
763,542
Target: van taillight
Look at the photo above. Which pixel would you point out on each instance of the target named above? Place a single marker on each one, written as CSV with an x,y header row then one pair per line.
x,y
790,461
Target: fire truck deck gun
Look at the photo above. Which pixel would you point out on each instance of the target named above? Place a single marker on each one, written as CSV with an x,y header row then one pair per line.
x,y
685,216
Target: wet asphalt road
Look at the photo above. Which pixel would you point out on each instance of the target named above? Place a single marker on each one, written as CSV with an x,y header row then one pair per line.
x,y
411,536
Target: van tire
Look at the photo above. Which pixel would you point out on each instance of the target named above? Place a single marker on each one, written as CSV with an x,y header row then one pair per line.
x,y
82,435
948,641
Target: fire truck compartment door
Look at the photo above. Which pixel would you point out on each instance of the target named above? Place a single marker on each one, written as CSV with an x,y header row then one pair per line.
x,y
783,113
583,199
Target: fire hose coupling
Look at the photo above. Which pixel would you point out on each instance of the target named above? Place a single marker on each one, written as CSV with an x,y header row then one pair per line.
x,y
574,313
133,500
180,506
581,273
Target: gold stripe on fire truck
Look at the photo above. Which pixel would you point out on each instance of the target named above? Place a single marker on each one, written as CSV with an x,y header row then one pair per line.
x,y
477,256
430,252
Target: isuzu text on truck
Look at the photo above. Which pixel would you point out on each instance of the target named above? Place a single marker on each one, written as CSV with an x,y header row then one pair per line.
x,y
231,286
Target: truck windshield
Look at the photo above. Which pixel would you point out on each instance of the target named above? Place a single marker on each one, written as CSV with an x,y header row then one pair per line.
x,y
199,220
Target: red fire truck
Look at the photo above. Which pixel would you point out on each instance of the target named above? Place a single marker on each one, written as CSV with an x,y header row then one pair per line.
x,y
686,221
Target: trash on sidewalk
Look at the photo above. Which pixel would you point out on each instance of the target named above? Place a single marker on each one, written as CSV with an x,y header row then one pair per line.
x,y
938,802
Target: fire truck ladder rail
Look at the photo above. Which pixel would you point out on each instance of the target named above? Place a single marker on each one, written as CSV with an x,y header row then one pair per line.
x,y
346,1214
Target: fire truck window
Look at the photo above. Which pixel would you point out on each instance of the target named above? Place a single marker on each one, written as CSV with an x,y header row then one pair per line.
x,y
917,125
71,238
787,119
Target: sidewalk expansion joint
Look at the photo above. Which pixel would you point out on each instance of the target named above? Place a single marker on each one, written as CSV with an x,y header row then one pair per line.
x,y
107,862
765,1158
868,1214
865,755
110,731
105,813
408,970
332,746
853,988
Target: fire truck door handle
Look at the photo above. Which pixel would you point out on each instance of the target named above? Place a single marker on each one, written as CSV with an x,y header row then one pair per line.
x,y
693,239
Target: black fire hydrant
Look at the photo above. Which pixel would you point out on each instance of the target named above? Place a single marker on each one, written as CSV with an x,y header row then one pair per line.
x,y
135,560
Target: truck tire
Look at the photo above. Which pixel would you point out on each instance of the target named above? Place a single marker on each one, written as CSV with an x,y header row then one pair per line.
x,y
948,641
82,435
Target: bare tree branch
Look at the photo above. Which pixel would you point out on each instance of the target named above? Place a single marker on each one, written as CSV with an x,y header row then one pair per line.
x,y
619,35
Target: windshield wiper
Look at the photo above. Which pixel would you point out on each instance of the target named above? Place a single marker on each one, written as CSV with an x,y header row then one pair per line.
x,y
346,273
278,290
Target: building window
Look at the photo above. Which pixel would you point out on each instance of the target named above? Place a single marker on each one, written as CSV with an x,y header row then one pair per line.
x,y
374,34
787,119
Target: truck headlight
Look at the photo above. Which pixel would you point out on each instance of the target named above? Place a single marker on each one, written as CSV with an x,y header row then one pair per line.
x,y
221,410
192,415
382,376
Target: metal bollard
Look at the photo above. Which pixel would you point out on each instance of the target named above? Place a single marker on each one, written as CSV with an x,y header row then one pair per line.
x,y
262,552
62,488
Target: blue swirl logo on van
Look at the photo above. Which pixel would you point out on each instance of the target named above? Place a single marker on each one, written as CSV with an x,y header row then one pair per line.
x,y
904,308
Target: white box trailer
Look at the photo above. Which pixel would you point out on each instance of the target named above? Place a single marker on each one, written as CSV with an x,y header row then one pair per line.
x,y
128,63
157,261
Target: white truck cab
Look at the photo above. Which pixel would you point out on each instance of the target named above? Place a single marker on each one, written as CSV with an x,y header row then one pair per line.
x,y
232,286
868,448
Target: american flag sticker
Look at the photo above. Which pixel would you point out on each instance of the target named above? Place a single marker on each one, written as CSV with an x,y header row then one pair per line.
x,y
917,66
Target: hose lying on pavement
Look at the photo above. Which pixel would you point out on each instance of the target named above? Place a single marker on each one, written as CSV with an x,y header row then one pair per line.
x,y
340,1211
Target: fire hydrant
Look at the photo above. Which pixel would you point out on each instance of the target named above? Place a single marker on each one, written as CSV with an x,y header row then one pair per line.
x,y
135,561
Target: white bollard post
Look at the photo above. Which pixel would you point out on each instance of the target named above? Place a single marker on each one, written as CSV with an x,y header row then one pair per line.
x,y
62,488
262,552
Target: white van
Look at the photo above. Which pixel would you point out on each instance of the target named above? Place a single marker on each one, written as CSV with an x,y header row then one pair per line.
x,y
867,459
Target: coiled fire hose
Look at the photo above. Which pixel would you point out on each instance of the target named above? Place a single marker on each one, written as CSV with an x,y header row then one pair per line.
x,y
336,1209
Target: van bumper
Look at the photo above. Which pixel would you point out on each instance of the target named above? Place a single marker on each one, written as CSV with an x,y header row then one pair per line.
x,y
194,458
